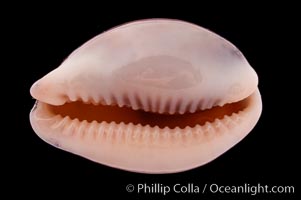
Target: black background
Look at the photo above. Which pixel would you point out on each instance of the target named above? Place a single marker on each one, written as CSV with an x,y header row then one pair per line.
x,y
268,155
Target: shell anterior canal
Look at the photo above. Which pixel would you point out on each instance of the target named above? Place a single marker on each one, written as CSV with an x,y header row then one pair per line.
x,y
109,113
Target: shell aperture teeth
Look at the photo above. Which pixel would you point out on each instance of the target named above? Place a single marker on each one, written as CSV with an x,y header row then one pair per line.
x,y
90,111
161,106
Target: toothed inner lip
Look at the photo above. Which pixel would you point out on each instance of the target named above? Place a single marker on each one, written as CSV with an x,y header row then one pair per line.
x,y
113,113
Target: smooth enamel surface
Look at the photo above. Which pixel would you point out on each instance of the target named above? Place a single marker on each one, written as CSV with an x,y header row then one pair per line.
x,y
168,67
160,60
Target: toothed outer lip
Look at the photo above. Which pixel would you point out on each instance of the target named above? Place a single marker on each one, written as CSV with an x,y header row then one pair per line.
x,y
143,148
166,106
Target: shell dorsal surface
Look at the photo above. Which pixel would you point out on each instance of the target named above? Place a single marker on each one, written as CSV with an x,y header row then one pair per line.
x,y
159,63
